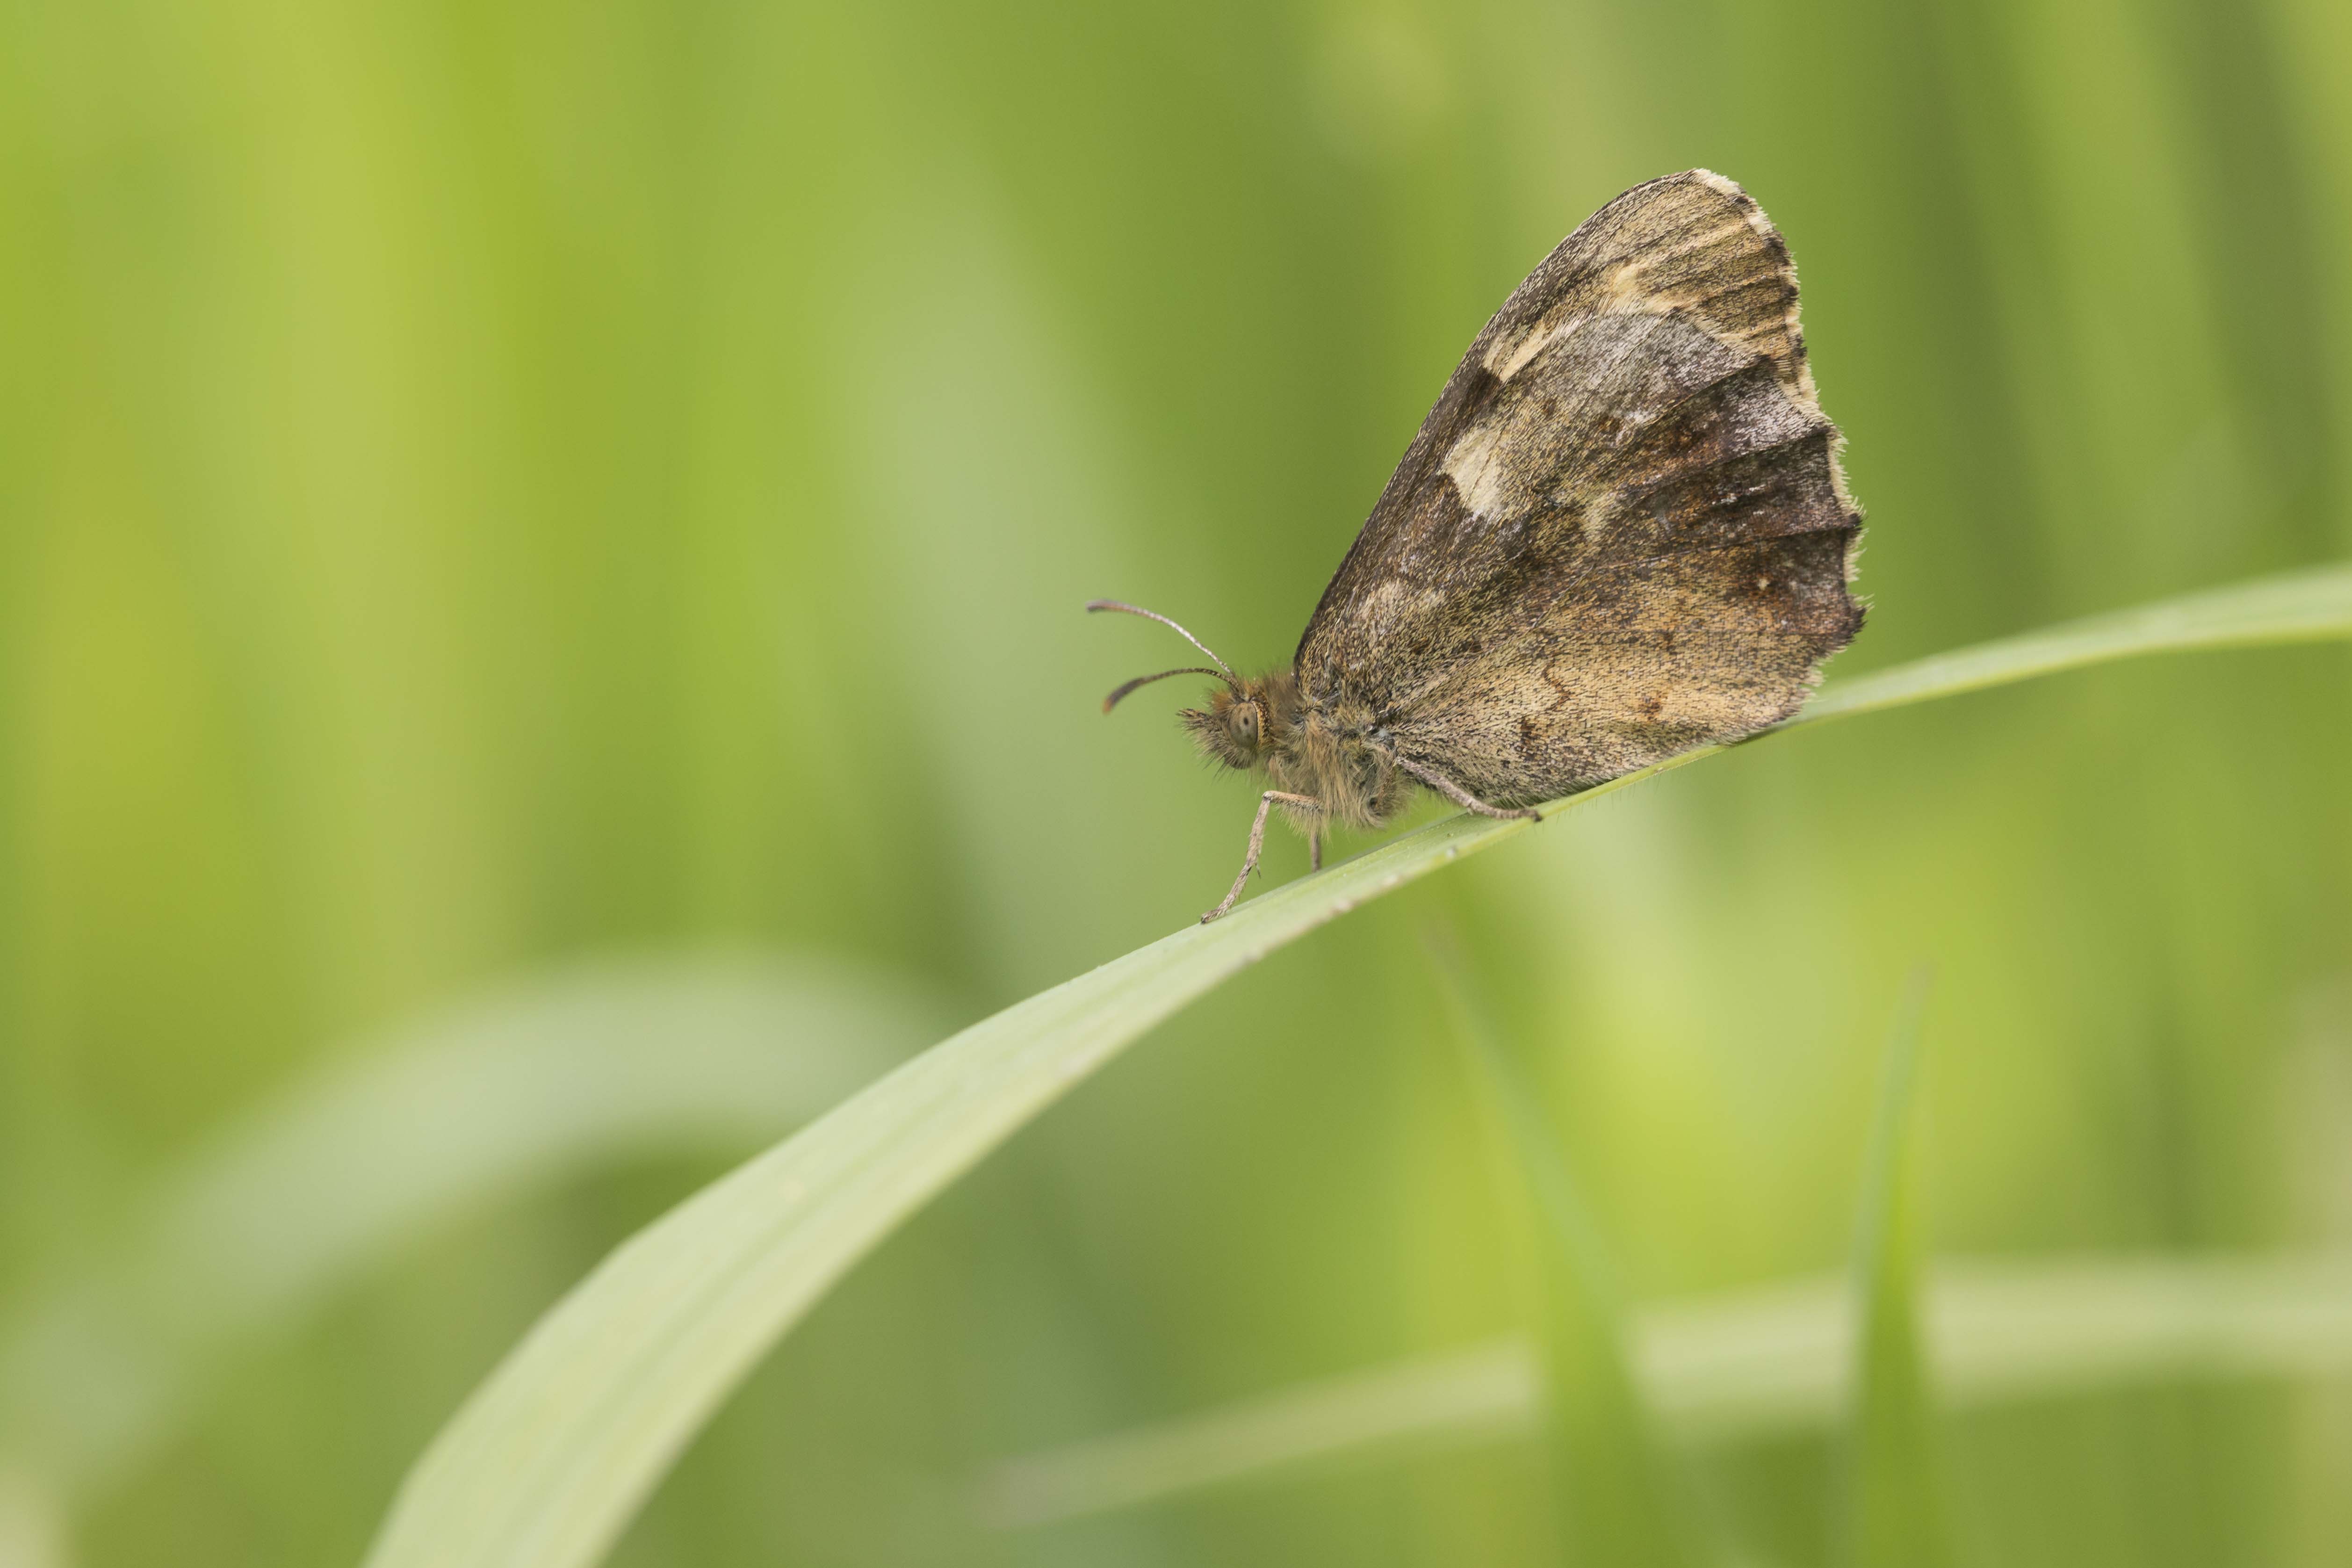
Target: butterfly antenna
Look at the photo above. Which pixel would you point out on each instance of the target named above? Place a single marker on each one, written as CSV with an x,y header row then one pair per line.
x,y
1111,701
1223,670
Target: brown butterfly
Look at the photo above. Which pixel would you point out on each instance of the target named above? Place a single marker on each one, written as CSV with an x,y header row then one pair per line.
x,y
1622,533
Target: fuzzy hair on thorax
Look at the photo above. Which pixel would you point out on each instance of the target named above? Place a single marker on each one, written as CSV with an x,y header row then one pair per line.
x,y
1304,747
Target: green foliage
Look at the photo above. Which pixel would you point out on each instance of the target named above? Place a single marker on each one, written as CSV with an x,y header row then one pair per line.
x,y
488,488
548,1461
554,1454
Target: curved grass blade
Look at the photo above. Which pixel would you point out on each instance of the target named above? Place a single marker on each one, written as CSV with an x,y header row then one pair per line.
x,y
550,1459
2311,605
547,1460
1893,1511
1618,1491
1487,1393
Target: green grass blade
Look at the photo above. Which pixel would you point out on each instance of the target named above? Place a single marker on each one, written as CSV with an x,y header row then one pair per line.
x,y
1894,1516
1618,1491
2313,606
1427,1406
546,1463
551,1457
1763,1363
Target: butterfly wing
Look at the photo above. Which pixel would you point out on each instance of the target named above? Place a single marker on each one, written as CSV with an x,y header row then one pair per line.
x,y
1622,532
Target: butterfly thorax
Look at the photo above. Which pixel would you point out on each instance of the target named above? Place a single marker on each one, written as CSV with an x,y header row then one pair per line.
x,y
1327,750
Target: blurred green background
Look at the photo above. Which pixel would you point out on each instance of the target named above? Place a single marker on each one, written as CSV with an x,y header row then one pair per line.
x,y
491,490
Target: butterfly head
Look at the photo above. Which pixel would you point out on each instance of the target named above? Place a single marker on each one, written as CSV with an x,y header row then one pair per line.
x,y
1241,724
1245,718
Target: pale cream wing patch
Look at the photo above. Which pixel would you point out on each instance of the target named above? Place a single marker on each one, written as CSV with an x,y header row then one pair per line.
x,y
1693,242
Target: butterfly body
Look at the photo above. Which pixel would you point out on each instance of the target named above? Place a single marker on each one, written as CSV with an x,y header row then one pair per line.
x,y
1320,749
1622,532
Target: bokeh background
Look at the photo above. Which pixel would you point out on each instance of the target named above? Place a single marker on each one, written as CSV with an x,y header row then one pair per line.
x,y
510,495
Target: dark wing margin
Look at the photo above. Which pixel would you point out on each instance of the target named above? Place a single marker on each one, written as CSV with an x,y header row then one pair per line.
x,y
1622,532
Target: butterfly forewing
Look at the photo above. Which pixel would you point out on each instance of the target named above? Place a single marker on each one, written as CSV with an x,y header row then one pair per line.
x,y
1622,532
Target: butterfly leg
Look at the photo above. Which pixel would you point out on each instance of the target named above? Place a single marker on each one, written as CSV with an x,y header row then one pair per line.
x,y
1315,848
1457,794
1258,844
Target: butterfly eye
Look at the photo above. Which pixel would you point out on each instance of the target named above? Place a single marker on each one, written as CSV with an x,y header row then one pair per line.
x,y
1245,723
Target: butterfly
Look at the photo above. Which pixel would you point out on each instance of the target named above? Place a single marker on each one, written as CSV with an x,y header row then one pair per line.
x,y
1622,533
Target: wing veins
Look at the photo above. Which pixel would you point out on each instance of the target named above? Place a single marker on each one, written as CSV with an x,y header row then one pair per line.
x,y
1438,676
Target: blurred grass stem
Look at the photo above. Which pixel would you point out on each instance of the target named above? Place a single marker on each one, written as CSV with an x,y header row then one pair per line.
x,y
1620,1499
1893,1513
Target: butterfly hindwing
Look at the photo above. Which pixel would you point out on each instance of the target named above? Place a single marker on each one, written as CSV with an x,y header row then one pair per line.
x,y
1622,531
